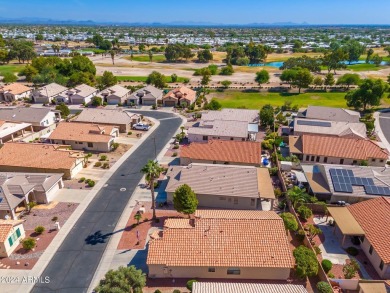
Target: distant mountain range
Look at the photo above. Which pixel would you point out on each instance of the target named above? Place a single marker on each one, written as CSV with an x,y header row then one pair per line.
x,y
48,21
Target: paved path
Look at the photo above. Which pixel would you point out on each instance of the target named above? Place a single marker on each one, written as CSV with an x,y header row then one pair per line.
x,y
74,264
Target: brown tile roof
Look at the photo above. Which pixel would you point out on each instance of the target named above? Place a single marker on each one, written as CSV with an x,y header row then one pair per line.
x,y
5,229
330,146
15,88
373,216
224,150
248,239
82,132
181,92
35,155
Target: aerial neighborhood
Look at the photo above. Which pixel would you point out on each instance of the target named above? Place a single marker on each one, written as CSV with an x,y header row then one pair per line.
x,y
186,161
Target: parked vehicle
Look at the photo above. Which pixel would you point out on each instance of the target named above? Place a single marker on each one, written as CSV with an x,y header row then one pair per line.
x,y
141,126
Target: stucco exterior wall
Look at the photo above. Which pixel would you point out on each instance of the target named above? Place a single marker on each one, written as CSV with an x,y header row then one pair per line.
x,y
83,145
5,248
335,160
375,260
186,161
161,271
199,137
225,202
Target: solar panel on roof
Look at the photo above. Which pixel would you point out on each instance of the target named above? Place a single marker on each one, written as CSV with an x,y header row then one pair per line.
x,y
314,123
350,173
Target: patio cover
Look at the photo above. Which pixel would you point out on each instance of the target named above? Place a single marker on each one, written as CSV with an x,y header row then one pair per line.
x,y
372,287
345,221
266,190
300,176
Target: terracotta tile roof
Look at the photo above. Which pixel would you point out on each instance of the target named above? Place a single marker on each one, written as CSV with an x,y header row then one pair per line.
x,y
225,242
35,155
5,229
1,122
15,88
339,147
181,92
82,132
217,287
246,152
236,214
178,224
374,217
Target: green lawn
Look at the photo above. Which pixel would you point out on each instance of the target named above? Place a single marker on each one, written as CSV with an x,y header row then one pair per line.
x,y
256,100
143,78
145,58
95,50
11,68
364,67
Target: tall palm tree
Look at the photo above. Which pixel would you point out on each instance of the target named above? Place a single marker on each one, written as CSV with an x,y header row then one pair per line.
x,y
297,195
150,55
152,170
112,52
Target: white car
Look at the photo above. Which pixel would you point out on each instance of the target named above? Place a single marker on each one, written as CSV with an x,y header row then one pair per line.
x,y
141,126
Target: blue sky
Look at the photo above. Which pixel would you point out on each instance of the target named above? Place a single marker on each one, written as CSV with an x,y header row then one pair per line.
x,y
216,11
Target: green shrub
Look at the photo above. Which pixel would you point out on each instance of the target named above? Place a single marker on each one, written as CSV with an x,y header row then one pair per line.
x,y
106,165
98,164
130,133
157,291
352,251
39,229
326,265
301,234
29,243
176,146
273,171
324,287
306,261
54,219
277,192
32,204
189,284
174,154
115,145
317,249
91,183
330,275
176,291
103,158
304,212
82,179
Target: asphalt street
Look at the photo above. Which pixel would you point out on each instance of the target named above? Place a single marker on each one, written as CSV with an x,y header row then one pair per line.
x,y
73,266
384,122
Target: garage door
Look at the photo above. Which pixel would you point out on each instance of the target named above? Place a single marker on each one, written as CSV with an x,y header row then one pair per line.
x,y
169,103
148,102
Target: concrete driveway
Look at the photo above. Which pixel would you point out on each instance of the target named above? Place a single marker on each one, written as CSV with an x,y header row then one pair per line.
x,y
73,266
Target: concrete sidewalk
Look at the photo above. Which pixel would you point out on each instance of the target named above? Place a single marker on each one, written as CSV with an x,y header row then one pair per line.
x,y
59,238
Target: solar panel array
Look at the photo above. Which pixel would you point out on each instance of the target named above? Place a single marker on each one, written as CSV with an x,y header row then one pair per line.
x,y
343,180
314,123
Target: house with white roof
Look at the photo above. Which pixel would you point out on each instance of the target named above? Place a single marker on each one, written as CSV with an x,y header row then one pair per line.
x,y
115,95
48,93
81,94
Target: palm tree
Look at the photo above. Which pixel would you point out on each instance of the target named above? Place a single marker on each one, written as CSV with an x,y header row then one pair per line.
x,y
112,52
137,217
297,195
152,170
150,55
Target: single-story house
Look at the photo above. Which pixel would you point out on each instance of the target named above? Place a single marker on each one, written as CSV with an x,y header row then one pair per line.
x,y
350,184
329,128
18,189
115,117
329,114
229,287
13,92
222,244
219,129
222,186
83,136
337,150
222,152
37,117
115,95
48,93
182,96
40,158
148,96
9,131
370,222
80,94
250,116
11,233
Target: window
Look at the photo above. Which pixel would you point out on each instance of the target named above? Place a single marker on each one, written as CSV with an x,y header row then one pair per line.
x,y
361,239
373,160
205,137
312,158
222,198
15,236
341,161
214,162
243,139
354,162
371,249
235,201
382,161
211,270
325,159
233,271
63,142
232,138
317,159
90,145
307,158
253,201
381,265
18,232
